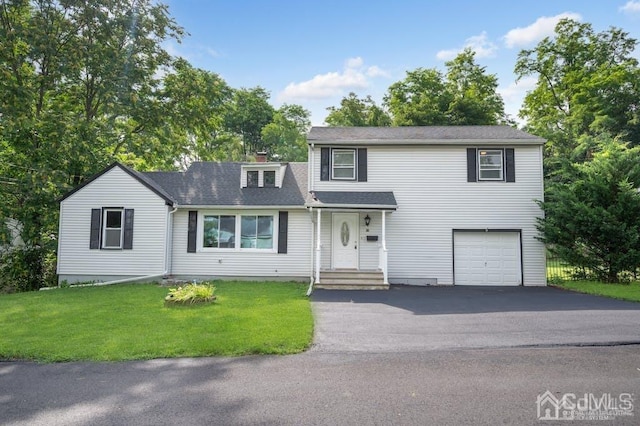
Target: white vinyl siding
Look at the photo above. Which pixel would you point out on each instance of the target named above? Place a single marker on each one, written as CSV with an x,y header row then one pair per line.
x,y
114,188
245,262
433,195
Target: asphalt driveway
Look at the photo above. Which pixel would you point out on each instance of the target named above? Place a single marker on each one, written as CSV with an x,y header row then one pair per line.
x,y
410,319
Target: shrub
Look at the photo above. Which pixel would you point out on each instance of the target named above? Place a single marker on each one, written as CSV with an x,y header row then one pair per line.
x,y
191,294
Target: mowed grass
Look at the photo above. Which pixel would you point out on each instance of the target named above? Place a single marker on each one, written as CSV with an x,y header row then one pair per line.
x,y
126,322
629,291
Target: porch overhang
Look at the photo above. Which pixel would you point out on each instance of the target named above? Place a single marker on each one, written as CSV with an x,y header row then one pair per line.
x,y
352,200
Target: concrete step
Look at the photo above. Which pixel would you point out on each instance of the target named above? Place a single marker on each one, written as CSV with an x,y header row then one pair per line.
x,y
352,280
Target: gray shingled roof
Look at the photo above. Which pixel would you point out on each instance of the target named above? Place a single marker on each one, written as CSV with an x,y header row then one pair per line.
x,y
421,134
354,199
218,184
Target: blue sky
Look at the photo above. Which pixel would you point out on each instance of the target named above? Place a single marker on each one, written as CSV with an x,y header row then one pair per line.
x,y
313,53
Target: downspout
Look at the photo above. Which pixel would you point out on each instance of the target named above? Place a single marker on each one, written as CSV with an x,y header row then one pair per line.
x,y
168,242
120,281
311,279
310,158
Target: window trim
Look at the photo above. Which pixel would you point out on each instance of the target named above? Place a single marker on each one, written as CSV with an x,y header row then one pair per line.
x,y
333,166
479,163
103,228
275,229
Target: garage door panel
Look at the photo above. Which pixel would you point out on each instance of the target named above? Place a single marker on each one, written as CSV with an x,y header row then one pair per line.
x,y
487,258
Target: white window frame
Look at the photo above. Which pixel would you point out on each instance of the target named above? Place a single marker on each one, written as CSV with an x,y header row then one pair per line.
x,y
235,231
491,151
343,167
105,213
238,230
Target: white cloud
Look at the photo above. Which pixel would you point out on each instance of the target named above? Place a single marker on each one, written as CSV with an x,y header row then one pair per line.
x,y
632,7
480,44
354,76
516,90
543,27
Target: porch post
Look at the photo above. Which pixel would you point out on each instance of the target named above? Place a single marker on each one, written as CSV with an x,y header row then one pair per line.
x,y
318,246
384,248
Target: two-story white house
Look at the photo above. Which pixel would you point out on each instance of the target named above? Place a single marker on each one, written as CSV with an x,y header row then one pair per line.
x,y
372,207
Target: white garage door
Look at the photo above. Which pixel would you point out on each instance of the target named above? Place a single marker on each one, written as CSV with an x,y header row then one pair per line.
x,y
487,258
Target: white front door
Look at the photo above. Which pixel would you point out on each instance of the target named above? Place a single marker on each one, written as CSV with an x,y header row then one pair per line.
x,y
345,240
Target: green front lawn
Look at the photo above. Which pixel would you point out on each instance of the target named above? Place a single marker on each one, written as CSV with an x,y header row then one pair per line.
x,y
125,322
629,292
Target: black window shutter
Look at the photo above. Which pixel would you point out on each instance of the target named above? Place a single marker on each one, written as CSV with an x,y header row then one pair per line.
x,y
283,224
510,164
362,164
325,163
472,165
127,240
192,231
96,227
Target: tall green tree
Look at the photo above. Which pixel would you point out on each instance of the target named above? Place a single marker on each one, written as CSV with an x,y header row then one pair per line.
x,y
592,210
587,83
250,111
197,103
286,136
475,99
465,94
356,112
78,84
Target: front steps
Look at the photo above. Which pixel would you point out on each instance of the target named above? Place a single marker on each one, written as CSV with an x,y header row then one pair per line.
x,y
351,280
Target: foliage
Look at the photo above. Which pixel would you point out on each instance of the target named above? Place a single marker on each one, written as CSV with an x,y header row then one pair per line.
x,y
587,83
356,112
78,85
466,95
248,113
16,273
130,321
592,210
191,294
285,136
627,291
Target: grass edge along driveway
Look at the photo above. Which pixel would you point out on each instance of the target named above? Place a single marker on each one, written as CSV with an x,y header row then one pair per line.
x,y
130,321
621,291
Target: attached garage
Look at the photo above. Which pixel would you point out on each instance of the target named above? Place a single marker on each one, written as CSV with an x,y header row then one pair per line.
x,y
487,257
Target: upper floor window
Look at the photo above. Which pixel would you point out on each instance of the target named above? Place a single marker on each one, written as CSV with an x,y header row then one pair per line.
x,y
490,164
269,178
112,228
252,179
343,164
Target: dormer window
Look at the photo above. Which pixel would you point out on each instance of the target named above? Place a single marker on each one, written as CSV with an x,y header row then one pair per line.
x,y
252,179
269,177
262,175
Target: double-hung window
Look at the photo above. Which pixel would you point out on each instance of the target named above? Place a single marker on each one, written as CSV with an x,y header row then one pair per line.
x,y
112,229
219,231
490,164
252,179
343,164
